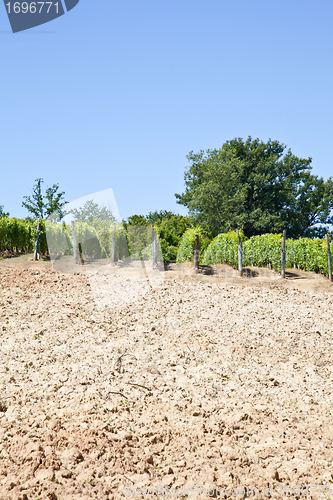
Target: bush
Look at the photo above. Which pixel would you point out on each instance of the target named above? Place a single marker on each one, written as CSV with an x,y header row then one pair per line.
x,y
87,236
170,231
168,226
224,249
186,247
16,235
262,251
59,238
307,254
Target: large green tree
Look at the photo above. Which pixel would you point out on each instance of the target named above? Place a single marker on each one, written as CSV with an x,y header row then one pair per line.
x,y
43,205
258,187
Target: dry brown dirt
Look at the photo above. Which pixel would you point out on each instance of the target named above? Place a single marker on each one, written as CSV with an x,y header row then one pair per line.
x,y
214,381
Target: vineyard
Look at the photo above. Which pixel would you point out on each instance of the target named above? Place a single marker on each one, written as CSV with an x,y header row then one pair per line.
x,y
19,235
261,251
265,251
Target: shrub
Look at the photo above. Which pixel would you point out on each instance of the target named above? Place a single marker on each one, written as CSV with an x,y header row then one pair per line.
x,y
186,246
223,249
262,251
307,254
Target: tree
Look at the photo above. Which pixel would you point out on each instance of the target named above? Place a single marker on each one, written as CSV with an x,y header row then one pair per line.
x,y
92,212
42,206
171,230
2,213
159,217
135,220
170,227
258,187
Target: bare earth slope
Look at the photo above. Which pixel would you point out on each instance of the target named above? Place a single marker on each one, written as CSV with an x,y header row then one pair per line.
x,y
202,382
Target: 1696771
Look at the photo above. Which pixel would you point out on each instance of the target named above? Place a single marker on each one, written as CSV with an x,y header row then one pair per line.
x,y
32,7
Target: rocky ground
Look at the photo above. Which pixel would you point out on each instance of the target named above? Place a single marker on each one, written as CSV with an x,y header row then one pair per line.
x,y
206,384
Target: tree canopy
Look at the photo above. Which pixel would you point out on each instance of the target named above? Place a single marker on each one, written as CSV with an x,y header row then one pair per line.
x,y
43,205
170,226
258,187
92,212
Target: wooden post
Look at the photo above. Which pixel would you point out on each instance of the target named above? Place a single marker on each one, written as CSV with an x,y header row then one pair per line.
x,y
196,253
81,254
113,244
37,241
240,256
283,254
74,241
327,238
153,246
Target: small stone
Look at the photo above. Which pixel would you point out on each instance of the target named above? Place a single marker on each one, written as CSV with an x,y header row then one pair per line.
x,y
276,476
52,496
66,473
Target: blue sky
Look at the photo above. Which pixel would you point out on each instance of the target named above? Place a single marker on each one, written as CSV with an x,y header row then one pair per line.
x,y
115,94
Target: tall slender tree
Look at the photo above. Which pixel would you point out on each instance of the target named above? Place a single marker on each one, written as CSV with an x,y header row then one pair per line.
x,y
43,205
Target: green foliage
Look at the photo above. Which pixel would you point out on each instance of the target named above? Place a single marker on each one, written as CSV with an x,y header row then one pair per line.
x,y
3,213
14,235
59,238
186,247
157,218
19,235
262,251
256,186
91,213
170,231
136,220
54,201
42,206
140,242
223,248
104,233
168,226
307,254
88,237
122,243
265,250
42,247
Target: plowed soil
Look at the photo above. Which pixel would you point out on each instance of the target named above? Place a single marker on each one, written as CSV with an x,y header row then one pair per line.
x,y
212,382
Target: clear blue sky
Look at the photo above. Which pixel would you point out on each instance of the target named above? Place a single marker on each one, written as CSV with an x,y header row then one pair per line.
x,y
115,94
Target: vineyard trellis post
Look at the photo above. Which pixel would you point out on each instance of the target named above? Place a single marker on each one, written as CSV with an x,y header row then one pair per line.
x,y
329,262
74,241
37,241
113,244
196,253
81,254
283,254
153,246
240,256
